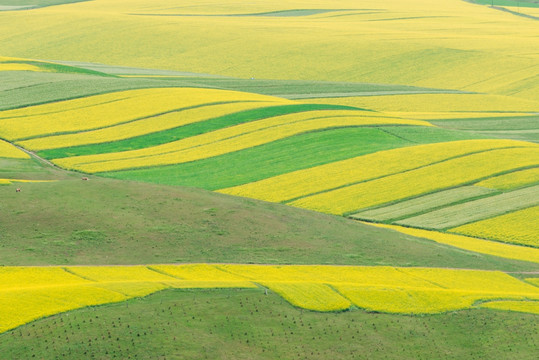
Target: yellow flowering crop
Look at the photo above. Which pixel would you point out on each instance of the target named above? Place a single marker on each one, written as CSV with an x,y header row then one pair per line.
x,y
534,281
362,168
423,180
472,244
28,293
310,296
203,273
18,67
99,111
9,151
140,127
518,227
10,181
511,180
219,142
521,306
18,307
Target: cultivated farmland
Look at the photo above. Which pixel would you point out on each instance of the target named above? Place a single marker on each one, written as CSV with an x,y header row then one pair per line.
x,y
269,179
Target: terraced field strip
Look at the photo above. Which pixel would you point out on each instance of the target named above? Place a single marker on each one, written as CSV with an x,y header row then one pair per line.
x,y
192,128
7,150
29,293
495,248
511,180
144,126
360,169
227,140
422,203
519,227
110,109
427,179
460,214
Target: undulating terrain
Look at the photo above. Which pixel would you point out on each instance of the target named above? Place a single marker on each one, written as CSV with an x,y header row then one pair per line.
x,y
269,180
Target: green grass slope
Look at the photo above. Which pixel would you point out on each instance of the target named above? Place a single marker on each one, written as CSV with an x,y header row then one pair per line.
x,y
247,324
106,221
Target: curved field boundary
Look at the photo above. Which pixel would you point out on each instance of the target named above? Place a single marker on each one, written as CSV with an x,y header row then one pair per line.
x,y
180,132
360,169
475,210
442,175
519,227
225,140
472,244
29,293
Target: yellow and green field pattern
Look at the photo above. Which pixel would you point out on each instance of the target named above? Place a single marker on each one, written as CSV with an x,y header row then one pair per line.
x,y
29,293
391,175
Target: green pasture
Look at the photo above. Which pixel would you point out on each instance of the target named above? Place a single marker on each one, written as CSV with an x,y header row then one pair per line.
x,y
247,324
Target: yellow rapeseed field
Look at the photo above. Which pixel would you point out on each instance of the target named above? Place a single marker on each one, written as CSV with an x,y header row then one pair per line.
x,y
223,141
310,296
495,248
512,180
378,43
203,273
446,174
521,306
28,293
9,151
518,227
109,109
141,127
341,173
18,67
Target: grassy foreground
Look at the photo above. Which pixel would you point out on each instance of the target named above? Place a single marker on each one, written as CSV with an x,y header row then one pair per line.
x,y
247,324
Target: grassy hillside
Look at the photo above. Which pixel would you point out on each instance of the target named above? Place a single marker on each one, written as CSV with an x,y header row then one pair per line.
x,y
104,221
247,324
